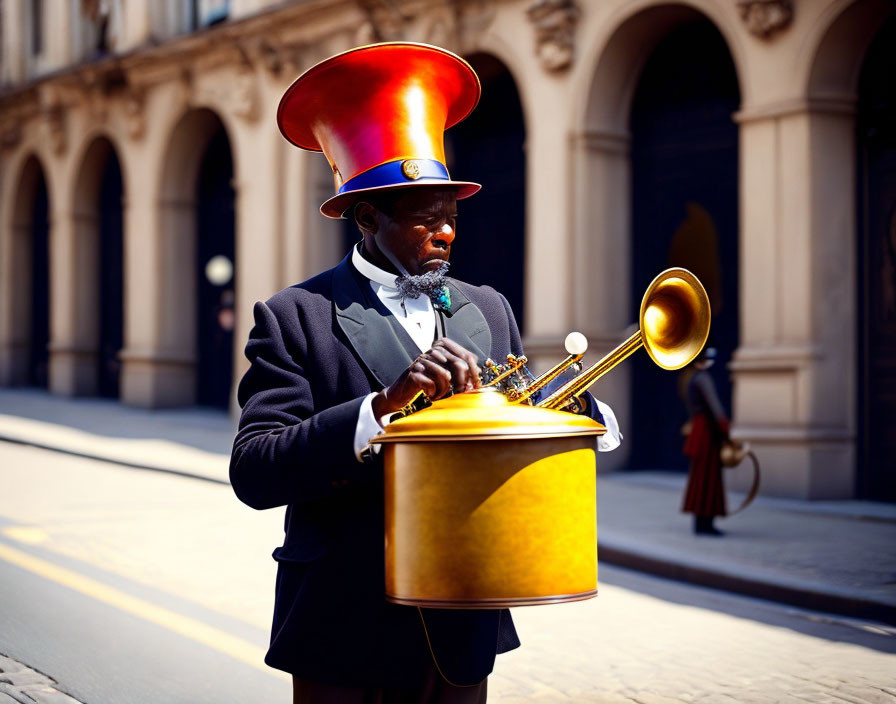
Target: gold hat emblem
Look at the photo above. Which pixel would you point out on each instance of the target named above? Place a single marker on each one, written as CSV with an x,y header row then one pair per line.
x,y
411,169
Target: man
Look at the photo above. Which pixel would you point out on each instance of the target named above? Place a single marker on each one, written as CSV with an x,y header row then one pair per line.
x,y
332,357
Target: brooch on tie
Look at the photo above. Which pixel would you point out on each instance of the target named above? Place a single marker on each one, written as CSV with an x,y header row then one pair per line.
x,y
441,298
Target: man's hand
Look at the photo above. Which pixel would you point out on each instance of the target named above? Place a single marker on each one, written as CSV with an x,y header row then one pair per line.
x,y
446,367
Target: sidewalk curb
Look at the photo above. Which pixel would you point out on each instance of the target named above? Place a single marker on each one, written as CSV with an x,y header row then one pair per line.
x,y
768,589
110,459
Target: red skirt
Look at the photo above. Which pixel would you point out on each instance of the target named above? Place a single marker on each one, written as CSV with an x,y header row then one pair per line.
x,y
705,492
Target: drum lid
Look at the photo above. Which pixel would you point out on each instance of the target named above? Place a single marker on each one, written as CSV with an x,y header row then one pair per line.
x,y
486,414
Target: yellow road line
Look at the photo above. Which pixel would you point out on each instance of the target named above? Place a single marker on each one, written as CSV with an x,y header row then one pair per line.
x,y
209,636
26,534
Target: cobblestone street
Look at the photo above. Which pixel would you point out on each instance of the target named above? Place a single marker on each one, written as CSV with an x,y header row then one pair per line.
x,y
23,685
633,647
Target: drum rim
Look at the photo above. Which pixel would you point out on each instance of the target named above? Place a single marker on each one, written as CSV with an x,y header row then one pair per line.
x,y
491,603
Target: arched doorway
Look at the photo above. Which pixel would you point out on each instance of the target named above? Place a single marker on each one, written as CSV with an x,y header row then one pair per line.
x,y
876,160
196,249
215,258
488,148
111,289
684,160
28,335
39,340
98,295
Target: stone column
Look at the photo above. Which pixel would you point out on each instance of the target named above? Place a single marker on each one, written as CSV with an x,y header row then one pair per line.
x,y
292,205
162,374
600,269
12,65
311,242
548,258
259,218
577,252
15,303
324,246
136,24
159,251
547,220
74,312
794,393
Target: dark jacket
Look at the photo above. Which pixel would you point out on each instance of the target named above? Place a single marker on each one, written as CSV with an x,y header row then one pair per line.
x,y
317,349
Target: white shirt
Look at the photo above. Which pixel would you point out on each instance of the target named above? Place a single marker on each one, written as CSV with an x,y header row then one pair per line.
x,y
418,318
416,315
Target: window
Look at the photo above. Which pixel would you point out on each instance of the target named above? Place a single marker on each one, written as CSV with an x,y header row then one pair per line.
x,y
213,11
37,27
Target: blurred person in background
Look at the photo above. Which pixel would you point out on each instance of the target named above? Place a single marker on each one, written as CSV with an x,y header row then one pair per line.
x,y
708,426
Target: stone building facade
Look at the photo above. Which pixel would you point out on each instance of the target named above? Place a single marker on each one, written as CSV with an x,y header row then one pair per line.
x,y
147,199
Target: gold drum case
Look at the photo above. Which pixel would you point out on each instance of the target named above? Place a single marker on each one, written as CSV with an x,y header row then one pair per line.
x,y
490,504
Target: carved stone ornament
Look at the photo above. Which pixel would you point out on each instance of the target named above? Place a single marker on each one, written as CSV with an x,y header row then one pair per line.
x,y
452,24
55,127
244,99
555,24
270,56
10,135
53,98
386,21
765,17
237,95
134,113
476,15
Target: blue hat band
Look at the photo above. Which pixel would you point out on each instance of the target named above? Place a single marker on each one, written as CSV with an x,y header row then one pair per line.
x,y
396,173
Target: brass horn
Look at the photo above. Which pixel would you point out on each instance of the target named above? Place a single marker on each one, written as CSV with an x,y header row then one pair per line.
x,y
672,326
576,345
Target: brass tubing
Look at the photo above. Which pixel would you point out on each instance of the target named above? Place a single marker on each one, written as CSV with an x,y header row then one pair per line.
x,y
576,387
545,379
512,366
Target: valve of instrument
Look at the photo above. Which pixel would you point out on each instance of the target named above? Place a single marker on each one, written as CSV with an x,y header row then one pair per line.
x,y
489,372
566,375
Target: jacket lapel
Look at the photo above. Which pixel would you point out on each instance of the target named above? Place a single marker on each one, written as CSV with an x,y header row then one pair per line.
x,y
465,324
367,325
380,341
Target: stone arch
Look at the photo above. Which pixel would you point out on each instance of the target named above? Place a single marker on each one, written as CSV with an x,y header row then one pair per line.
x,y
601,144
178,222
85,355
495,46
24,303
619,59
837,48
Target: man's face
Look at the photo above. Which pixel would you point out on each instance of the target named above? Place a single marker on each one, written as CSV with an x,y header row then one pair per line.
x,y
420,229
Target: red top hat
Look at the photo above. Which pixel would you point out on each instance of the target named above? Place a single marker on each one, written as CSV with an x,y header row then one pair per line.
x,y
379,113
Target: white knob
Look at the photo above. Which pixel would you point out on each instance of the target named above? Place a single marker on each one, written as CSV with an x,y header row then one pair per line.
x,y
576,343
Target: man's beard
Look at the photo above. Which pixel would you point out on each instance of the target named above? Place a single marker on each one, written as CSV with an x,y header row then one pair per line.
x,y
429,284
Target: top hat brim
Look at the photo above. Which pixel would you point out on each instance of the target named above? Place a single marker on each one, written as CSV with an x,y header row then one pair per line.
x,y
336,206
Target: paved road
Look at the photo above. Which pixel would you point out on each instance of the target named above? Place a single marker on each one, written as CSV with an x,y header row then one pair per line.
x,y
133,586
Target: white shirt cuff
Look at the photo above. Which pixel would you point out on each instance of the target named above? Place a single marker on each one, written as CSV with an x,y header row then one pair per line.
x,y
368,427
612,438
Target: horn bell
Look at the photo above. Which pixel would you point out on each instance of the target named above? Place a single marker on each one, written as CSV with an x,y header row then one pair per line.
x,y
674,318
